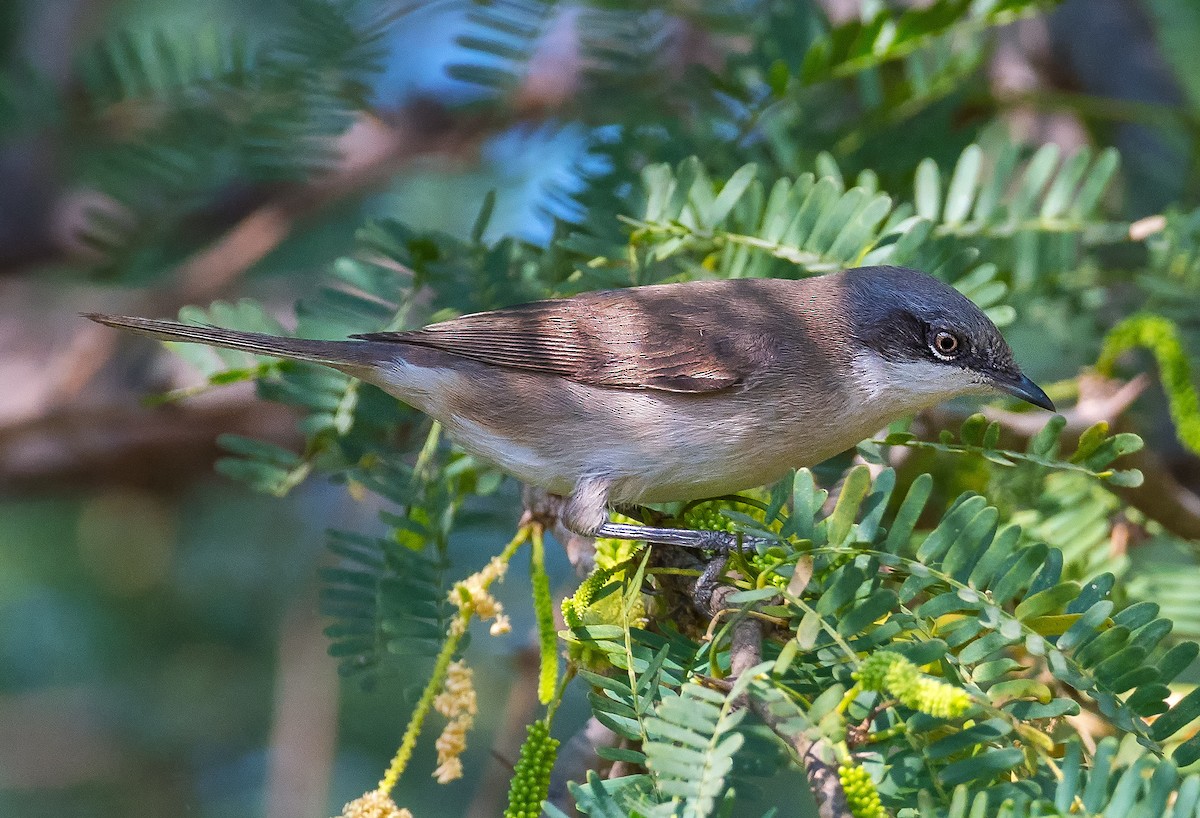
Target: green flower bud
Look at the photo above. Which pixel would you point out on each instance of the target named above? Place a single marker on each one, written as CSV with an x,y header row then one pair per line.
x,y
861,796
531,776
574,606
872,674
707,517
889,672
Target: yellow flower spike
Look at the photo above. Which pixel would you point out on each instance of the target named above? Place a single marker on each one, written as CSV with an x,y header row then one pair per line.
x,y
375,804
459,704
888,671
441,665
574,607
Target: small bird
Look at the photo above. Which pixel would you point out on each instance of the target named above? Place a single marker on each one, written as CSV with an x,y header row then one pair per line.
x,y
671,391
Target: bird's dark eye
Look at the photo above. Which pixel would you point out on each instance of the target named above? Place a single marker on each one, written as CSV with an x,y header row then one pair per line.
x,y
945,345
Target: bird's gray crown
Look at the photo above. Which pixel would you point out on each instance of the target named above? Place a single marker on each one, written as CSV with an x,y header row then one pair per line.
x,y
903,314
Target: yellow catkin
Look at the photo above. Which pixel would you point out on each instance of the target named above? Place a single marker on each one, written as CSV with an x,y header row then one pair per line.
x,y
375,804
888,671
413,731
441,666
473,598
459,704
575,607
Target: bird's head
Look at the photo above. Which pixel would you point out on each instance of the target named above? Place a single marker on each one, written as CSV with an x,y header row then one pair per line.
x,y
922,341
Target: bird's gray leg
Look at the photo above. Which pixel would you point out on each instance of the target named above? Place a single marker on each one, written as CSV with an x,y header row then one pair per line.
x,y
720,541
587,514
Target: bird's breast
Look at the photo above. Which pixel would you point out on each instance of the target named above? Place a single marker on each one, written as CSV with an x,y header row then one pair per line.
x,y
653,445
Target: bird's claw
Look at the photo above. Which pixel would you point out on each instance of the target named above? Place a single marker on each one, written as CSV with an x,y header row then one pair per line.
x,y
707,584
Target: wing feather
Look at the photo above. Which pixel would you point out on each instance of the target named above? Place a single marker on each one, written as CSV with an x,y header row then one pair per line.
x,y
695,337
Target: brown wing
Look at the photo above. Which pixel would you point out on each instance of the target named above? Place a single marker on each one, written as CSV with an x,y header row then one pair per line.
x,y
676,337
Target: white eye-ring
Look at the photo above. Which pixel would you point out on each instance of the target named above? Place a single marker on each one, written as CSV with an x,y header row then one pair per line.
x,y
945,345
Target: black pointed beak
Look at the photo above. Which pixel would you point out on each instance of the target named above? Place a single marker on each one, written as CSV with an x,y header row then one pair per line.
x,y
1019,386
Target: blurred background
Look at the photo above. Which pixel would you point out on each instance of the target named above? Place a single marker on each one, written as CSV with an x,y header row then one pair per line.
x,y
160,647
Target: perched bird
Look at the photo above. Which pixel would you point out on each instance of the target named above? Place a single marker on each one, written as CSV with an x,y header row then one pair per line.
x,y
672,391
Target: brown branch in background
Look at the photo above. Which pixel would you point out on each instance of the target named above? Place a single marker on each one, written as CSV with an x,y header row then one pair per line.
x,y
128,444
304,723
1161,497
1099,400
372,152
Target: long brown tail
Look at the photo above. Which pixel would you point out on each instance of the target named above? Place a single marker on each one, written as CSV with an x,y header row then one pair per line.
x,y
340,354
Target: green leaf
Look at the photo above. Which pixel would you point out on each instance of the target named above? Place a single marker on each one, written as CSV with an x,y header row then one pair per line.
x,y
1008,585
905,521
1048,601
732,192
854,490
963,185
980,734
981,767
1086,628
484,216
1096,183
1032,711
1185,711
928,190
874,607
1177,659
984,647
1188,752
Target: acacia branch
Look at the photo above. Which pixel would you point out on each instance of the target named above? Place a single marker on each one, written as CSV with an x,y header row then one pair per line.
x,y
816,755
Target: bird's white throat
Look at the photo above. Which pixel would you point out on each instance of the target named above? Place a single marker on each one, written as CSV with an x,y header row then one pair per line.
x,y
912,385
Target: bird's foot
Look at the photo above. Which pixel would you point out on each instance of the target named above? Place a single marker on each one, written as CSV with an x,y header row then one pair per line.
x,y
586,513
707,584
720,542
